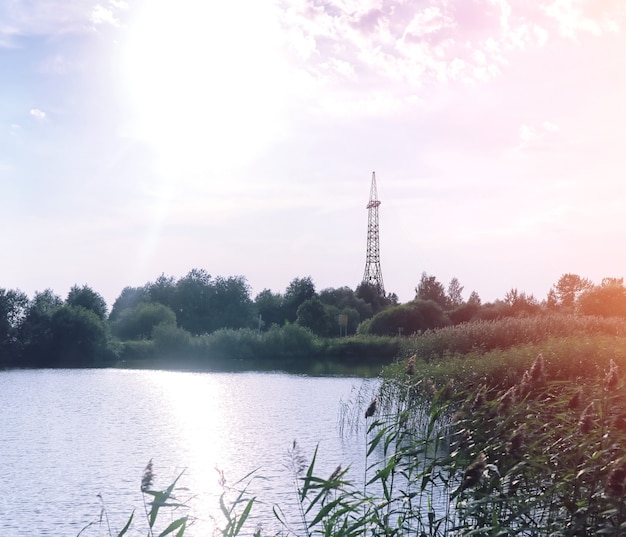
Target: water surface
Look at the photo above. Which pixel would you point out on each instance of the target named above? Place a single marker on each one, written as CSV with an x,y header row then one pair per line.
x,y
68,436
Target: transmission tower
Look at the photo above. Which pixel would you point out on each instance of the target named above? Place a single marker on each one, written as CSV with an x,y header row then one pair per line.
x,y
373,275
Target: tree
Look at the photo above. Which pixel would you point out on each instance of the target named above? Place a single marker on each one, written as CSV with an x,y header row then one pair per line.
x,y
129,298
521,302
298,291
87,298
455,293
568,289
140,321
78,339
269,306
605,300
163,291
407,319
13,306
430,288
344,297
315,315
35,332
231,304
370,294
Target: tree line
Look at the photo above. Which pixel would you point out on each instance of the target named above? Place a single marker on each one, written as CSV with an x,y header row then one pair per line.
x,y
80,331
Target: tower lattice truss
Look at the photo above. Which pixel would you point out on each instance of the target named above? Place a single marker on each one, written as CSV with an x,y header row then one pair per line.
x,y
373,275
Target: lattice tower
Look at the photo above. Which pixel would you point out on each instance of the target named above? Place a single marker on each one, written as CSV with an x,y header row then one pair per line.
x,y
373,275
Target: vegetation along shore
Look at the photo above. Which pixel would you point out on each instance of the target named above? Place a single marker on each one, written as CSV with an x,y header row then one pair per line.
x,y
506,418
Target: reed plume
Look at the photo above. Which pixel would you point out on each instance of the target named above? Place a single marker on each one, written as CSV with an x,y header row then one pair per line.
x,y
148,478
371,410
410,365
585,423
537,370
576,399
516,441
616,482
612,377
473,474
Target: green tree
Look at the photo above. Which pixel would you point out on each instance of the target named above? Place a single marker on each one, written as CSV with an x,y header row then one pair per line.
x,y
269,306
13,306
406,319
78,339
315,315
371,295
455,293
129,298
87,298
520,302
139,322
430,288
605,300
568,289
344,297
231,304
163,291
35,332
298,291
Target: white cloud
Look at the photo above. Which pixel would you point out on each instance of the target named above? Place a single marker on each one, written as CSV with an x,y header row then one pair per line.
x,y
537,137
102,15
37,113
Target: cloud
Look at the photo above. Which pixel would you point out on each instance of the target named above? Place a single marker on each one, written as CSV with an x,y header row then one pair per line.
x,y
534,138
103,15
37,114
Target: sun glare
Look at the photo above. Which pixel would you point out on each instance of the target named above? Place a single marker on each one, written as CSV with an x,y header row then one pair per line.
x,y
205,82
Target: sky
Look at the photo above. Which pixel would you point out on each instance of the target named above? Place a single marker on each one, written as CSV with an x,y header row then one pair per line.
x,y
150,137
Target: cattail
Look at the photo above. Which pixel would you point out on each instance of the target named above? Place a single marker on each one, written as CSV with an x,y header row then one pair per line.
x,y
525,385
611,379
616,482
479,399
371,410
335,474
474,472
517,440
410,366
575,401
585,423
429,387
507,400
148,477
537,371
619,422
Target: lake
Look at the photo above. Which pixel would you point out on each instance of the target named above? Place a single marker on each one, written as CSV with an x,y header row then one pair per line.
x,y
68,436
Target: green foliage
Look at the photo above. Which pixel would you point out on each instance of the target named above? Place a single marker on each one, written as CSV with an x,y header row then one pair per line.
x,y
410,318
483,336
317,317
35,332
139,321
129,298
86,297
605,300
298,291
78,338
13,306
567,290
270,307
429,288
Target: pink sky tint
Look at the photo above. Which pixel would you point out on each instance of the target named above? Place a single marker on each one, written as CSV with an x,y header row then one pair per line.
x,y
150,137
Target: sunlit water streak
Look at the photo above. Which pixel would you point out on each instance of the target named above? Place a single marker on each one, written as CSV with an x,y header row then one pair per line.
x,y
69,435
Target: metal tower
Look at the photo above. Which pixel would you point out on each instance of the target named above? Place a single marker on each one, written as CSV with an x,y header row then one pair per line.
x,y
373,275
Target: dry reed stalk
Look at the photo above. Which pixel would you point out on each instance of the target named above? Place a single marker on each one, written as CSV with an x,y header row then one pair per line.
x,y
585,423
